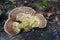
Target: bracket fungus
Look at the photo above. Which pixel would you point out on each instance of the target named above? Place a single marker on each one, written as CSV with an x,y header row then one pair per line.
x,y
23,17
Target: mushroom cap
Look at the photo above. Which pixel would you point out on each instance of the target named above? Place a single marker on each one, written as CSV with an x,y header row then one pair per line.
x,y
18,10
8,26
42,19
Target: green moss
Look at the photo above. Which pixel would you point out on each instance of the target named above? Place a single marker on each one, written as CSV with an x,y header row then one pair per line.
x,y
10,6
43,3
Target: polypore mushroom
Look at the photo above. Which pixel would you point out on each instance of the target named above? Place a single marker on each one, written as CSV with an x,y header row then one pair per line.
x,y
23,17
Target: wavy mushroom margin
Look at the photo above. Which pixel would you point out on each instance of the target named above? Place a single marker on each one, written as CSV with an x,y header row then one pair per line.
x,y
18,8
